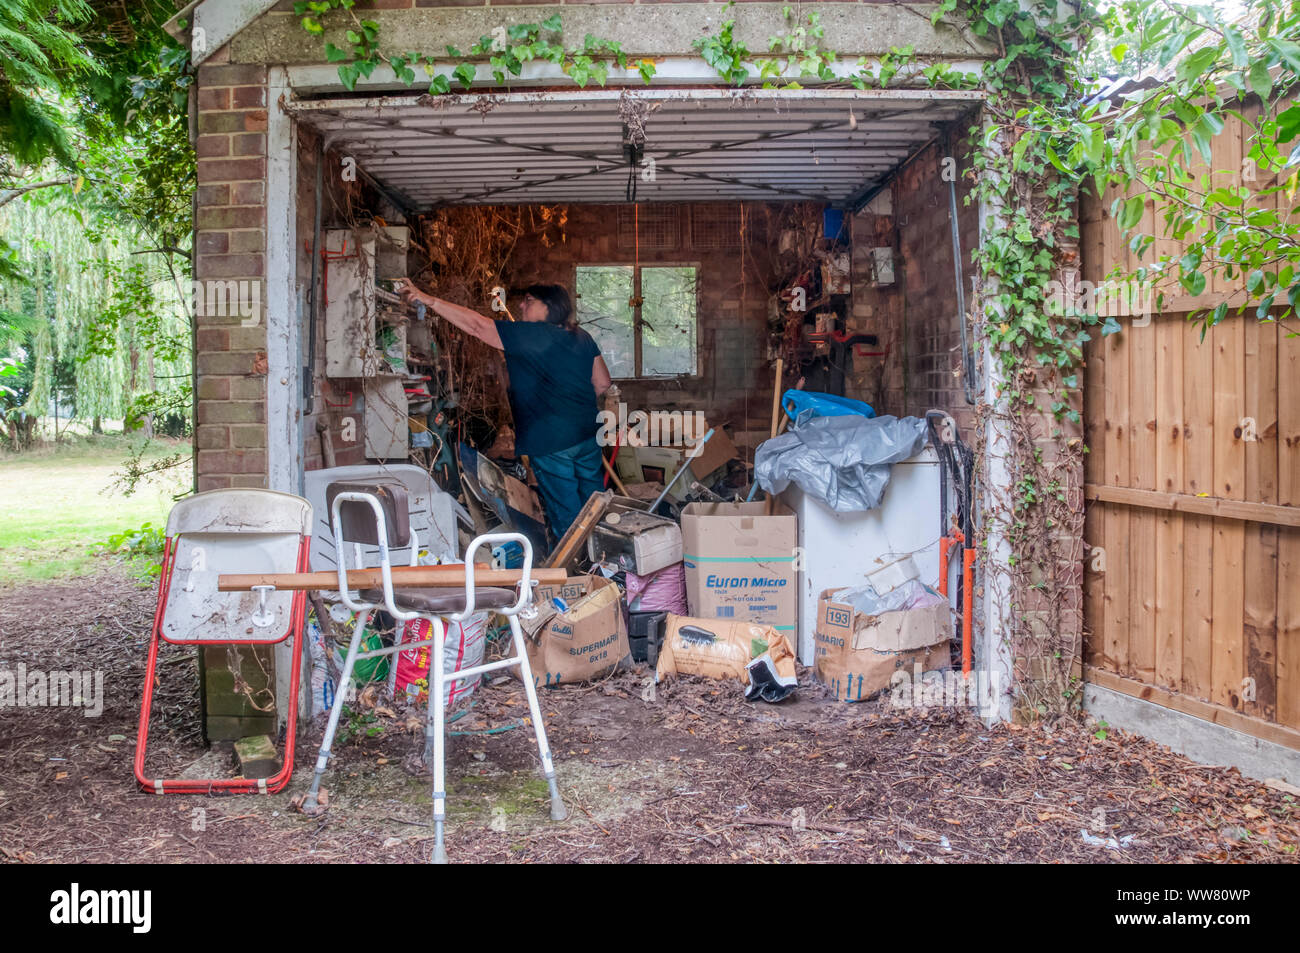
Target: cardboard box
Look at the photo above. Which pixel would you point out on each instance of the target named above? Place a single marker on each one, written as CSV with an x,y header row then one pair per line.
x,y
687,432
581,644
574,588
716,453
740,563
857,655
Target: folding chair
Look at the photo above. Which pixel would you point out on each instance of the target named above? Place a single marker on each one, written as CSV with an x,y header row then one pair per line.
x,y
385,524
241,530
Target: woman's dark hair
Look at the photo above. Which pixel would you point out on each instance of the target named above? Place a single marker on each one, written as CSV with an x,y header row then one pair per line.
x,y
559,307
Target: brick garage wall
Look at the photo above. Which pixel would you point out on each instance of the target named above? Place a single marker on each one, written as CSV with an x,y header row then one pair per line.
x,y
877,310
930,333
230,246
915,317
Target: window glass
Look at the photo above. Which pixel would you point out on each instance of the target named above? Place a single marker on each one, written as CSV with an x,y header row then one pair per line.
x,y
603,310
668,320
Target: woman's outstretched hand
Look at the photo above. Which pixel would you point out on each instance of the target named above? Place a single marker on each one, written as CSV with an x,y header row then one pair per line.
x,y
406,287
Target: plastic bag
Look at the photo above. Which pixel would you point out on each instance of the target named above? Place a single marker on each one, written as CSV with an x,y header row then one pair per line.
x,y
462,649
662,591
843,461
324,683
912,594
808,404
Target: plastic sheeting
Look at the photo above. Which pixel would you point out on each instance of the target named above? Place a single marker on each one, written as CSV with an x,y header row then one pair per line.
x,y
843,461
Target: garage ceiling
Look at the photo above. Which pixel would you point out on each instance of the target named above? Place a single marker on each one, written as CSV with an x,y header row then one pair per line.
x,y
829,146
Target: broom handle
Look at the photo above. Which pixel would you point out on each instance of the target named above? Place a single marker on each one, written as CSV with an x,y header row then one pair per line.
x,y
404,577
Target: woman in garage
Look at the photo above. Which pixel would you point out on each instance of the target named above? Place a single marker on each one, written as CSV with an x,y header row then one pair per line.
x,y
556,376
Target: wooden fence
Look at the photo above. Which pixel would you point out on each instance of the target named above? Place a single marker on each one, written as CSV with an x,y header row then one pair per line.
x,y
1192,589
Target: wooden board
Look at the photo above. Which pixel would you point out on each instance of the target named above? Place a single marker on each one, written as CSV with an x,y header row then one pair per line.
x,y
1143,355
1268,513
1288,563
1259,626
1169,334
1228,608
1198,532
574,541
1116,540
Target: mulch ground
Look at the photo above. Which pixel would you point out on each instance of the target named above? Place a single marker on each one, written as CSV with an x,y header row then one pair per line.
x,y
686,772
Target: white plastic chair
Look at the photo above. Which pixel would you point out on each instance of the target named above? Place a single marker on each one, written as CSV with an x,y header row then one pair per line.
x,y
433,605
236,530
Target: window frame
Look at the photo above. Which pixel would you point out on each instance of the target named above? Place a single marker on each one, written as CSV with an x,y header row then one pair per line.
x,y
636,267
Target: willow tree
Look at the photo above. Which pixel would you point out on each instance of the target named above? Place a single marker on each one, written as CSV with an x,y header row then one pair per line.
x,y
106,332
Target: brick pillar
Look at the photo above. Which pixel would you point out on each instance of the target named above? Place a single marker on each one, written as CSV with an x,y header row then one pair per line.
x,y
230,273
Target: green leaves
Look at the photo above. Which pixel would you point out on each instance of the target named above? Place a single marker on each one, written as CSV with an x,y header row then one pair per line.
x,y
464,73
1130,213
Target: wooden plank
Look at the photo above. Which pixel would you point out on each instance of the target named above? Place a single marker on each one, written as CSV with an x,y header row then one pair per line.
x,y
1217,714
1227,668
1094,408
1142,594
1268,513
1143,355
1259,624
1259,435
574,541
1228,340
1198,414
1169,478
1198,532
1288,561
1094,584
1288,628
1225,163
1227,664
1198,579
1116,538
451,576
1115,587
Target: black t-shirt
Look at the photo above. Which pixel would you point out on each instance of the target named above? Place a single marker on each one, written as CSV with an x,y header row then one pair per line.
x,y
551,394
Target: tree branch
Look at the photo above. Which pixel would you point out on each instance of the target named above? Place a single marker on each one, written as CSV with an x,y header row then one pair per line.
x,y
23,190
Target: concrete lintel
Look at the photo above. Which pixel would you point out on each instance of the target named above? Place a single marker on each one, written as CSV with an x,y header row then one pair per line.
x,y
662,29
1194,737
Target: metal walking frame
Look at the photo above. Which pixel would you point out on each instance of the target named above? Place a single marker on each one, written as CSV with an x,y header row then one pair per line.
x,y
432,605
227,531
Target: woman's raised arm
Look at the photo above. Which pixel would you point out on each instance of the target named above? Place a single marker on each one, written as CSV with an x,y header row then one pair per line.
x,y
467,319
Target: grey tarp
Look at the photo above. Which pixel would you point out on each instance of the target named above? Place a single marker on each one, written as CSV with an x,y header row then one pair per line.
x,y
843,461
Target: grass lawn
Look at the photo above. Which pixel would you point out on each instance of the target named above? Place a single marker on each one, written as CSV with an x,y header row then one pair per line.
x,y
56,501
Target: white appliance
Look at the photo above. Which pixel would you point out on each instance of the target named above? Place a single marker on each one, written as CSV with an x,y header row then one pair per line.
x,y
839,549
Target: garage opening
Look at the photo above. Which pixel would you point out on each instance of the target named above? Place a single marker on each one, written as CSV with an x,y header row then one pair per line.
x,y
711,240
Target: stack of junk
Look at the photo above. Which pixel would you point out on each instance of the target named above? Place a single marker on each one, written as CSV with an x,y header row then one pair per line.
x,y
832,556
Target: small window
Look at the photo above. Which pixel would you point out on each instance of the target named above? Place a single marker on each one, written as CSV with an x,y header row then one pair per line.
x,y
643,318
